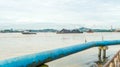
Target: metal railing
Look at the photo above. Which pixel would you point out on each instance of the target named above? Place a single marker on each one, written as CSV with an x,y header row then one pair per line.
x,y
114,62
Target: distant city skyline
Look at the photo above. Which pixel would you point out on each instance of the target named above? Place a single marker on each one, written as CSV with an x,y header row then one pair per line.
x,y
88,13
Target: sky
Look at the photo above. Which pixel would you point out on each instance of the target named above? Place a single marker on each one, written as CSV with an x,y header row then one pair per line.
x,y
102,13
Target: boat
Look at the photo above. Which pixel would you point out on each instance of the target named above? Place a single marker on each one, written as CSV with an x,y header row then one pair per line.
x,y
90,31
63,31
28,32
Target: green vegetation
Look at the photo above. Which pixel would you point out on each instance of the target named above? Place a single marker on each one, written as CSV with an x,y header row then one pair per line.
x,y
82,29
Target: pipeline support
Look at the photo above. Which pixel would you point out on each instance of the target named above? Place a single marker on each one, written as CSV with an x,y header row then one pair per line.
x,y
102,49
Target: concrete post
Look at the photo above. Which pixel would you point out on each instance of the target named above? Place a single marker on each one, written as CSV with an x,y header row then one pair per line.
x,y
104,51
104,54
99,53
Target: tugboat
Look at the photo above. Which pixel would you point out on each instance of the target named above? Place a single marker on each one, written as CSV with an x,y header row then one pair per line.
x,y
28,32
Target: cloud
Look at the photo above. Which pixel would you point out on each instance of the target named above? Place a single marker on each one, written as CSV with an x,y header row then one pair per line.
x,y
60,11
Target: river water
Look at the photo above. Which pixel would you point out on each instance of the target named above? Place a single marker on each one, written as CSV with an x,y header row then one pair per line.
x,y
17,44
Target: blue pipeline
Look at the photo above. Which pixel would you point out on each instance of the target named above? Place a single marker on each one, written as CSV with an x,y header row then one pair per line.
x,y
37,59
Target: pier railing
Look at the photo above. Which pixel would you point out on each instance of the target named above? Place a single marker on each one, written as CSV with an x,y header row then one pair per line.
x,y
39,59
115,61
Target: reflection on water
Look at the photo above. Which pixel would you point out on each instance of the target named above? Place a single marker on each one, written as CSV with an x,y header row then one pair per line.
x,y
101,61
16,44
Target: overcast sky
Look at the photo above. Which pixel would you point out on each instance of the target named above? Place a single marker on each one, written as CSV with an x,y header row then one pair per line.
x,y
88,12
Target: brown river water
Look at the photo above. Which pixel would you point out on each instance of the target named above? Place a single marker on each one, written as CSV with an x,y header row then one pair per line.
x,y
17,44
